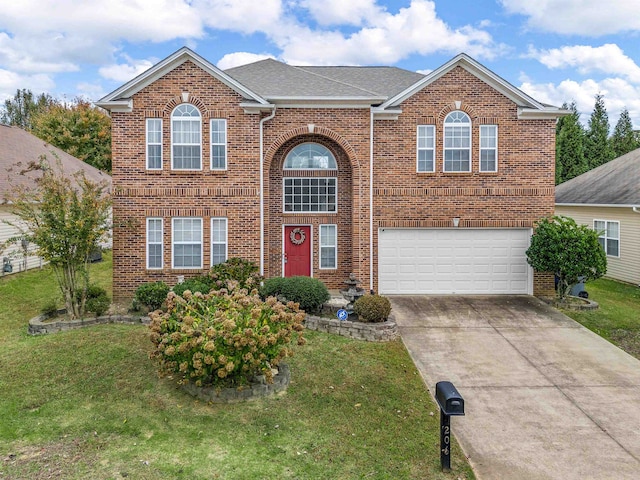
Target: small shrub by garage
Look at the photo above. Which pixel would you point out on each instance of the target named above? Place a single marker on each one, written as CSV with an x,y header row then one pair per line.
x,y
151,294
309,293
96,301
223,338
372,308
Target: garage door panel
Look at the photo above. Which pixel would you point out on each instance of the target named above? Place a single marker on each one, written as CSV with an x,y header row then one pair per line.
x,y
462,261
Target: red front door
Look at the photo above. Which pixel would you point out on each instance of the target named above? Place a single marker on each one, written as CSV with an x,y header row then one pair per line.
x,y
297,251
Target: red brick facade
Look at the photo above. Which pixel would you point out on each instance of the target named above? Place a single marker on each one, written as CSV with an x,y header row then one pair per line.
x,y
521,191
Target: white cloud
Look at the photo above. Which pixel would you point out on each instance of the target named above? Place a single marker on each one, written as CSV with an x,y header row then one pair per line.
x,y
415,29
608,58
245,16
341,12
236,59
618,94
11,81
578,17
123,72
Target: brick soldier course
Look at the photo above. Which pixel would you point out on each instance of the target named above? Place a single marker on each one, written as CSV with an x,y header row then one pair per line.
x,y
358,122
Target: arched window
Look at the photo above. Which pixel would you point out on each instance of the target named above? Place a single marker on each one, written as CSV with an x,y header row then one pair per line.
x,y
310,156
457,142
186,138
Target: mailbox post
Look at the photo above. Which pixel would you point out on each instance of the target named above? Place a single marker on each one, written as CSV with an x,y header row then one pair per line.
x,y
451,403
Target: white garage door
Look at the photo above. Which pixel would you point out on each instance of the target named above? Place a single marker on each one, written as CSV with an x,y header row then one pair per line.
x,y
460,261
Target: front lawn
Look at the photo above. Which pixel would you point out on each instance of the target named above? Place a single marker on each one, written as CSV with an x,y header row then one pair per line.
x,y
88,404
618,318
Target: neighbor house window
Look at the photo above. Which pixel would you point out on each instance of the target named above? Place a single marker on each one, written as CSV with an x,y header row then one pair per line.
x,y
218,240
488,148
310,156
310,195
457,142
328,246
426,148
186,143
609,238
154,143
187,242
154,243
218,144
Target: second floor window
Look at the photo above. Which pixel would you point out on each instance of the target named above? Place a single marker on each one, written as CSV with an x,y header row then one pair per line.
x,y
426,148
218,144
154,143
186,138
457,142
488,148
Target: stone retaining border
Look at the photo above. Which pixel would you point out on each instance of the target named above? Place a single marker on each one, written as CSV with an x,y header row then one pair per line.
x,y
42,324
258,389
370,332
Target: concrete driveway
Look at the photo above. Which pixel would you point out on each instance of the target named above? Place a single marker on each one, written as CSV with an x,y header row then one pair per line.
x,y
544,396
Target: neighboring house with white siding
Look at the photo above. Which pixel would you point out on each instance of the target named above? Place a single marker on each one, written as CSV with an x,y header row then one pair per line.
x,y
17,149
607,199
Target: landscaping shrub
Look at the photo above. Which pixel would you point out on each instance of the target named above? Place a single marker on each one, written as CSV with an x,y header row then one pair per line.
x,y
223,338
97,300
50,309
243,271
193,284
309,293
372,308
151,294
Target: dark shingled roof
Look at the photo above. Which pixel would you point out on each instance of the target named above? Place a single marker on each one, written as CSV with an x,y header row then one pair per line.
x,y
270,78
18,148
614,183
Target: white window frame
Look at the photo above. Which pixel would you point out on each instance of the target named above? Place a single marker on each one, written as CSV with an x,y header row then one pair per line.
x,y
426,134
333,245
310,179
185,119
320,150
217,143
494,149
447,128
161,243
605,235
150,143
174,243
225,222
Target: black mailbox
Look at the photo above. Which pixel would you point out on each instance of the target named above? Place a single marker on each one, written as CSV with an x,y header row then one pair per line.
x,y
449,399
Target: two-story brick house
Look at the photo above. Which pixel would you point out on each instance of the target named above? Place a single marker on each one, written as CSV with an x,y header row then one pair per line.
x,y
415,183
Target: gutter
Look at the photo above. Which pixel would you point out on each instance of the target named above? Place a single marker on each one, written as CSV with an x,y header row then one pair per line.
x,y
635,209
262,122
371,257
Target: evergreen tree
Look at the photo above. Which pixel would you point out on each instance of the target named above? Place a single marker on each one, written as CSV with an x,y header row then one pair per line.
x,y
20,110
624,138
597,147
570,159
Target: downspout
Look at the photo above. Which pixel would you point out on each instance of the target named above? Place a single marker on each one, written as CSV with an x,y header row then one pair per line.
x,y
371,257
262,121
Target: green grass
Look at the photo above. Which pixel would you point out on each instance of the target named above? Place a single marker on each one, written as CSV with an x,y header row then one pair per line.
x,y
618,318
88,404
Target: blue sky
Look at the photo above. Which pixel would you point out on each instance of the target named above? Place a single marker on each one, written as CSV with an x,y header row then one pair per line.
x,y
554,50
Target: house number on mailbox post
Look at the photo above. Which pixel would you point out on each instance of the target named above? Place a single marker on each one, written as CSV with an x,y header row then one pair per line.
x,y
451,403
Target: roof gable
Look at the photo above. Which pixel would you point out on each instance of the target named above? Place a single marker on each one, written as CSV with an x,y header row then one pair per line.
x,y
527,106
120,99
615,183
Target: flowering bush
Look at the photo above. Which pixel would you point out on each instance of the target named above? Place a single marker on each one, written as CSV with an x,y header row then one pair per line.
x,y
225,337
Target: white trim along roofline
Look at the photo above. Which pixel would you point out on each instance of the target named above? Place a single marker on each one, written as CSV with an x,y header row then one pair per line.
x,y
472,66
602,205
119,99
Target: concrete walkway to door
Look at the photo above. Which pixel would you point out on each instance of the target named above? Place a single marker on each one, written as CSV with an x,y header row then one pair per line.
x,y
545,398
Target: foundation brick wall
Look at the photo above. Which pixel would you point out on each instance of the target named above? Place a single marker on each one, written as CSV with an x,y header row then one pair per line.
x,y
519,193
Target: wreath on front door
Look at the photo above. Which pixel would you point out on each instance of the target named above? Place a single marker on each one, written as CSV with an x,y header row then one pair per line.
x,y
297,236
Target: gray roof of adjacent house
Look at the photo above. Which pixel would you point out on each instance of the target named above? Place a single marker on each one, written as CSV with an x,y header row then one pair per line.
x,y
614,183
273,79
18,148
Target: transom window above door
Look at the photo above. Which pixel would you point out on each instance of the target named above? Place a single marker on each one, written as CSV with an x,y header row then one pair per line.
x,y
310,156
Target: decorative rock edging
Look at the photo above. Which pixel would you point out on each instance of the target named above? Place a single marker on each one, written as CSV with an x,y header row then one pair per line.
x,y
580,303
371,332
258,389
41,325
